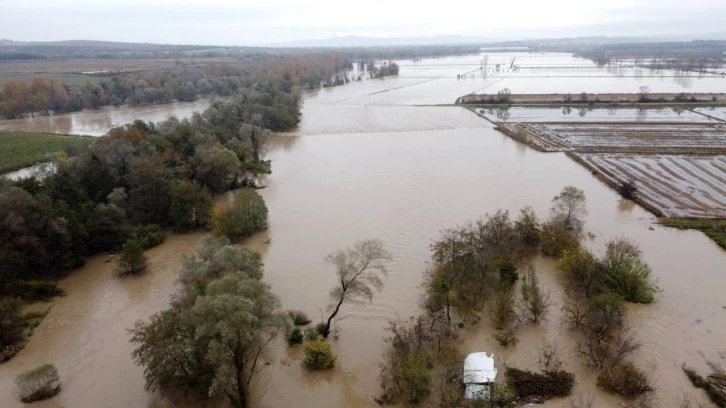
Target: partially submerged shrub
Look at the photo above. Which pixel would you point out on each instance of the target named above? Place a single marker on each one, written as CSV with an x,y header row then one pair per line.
x,y
507,338
32,290
311,333
528,228
584,273
246,216
547,384
132,259
627,189
501,309
626,380
295,337
320,328
717,395
415,378
501,396
318,355
12,322
508,273
148,236
556,238
299,318
627,274
38,384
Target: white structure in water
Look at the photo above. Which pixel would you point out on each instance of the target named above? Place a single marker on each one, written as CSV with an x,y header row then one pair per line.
x,y
479,374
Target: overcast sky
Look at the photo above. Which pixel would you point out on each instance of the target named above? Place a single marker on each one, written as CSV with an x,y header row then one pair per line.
x,y
254,22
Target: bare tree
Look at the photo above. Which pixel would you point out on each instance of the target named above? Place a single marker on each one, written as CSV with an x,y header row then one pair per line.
x,y
574,311
606,353
548,356
536,302
689,401
569,207
359,269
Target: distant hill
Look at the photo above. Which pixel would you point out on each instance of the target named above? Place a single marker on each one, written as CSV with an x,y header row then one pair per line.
x,y
363,41
91,45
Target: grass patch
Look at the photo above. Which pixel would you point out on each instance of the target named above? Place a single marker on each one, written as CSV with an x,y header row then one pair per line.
x,y
18,150
714,229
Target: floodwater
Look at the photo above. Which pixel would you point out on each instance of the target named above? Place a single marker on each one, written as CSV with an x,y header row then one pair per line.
x,y
98,122
399,173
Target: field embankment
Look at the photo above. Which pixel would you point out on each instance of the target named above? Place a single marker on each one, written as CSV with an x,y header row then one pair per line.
x,y
585,99
18,150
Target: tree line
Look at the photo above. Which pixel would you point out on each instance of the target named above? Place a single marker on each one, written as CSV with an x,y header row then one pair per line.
x,y
277,79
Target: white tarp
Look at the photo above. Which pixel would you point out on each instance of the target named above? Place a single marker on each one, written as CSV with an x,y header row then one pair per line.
x,y
479,372
479,369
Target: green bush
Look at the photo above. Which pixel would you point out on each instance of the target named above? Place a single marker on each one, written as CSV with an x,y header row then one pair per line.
x,y
246,216
148,236
556,238
132,259
296,337
415,378
508,273
12,322
33,290
626,380
501,395
717,395
311,333
627,274
38,384
318,355
548,384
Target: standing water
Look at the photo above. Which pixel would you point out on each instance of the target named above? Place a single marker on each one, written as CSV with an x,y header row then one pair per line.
x,y
399,173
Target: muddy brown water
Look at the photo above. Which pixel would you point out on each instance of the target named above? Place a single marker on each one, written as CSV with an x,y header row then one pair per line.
x,y
401,174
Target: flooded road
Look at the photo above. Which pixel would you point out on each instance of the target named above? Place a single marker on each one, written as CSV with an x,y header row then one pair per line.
x,y
401,174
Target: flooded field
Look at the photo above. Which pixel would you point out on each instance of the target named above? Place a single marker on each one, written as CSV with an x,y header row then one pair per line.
x,y
97,122
676,138
678,186
669,115
358,169
428,82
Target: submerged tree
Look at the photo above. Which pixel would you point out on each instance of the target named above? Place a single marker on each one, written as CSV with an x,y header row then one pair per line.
x,y
569,208
359,270
211,343
242,317
247,215
132,259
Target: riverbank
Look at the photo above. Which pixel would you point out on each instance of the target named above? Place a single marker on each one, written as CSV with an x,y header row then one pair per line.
x,y
20,149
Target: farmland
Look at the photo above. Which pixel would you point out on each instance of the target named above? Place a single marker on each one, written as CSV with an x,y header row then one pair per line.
x,y
673,186
677,160
18,150
676,138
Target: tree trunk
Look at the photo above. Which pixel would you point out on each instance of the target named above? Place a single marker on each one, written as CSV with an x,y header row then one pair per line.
x,y
330,318
241,388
